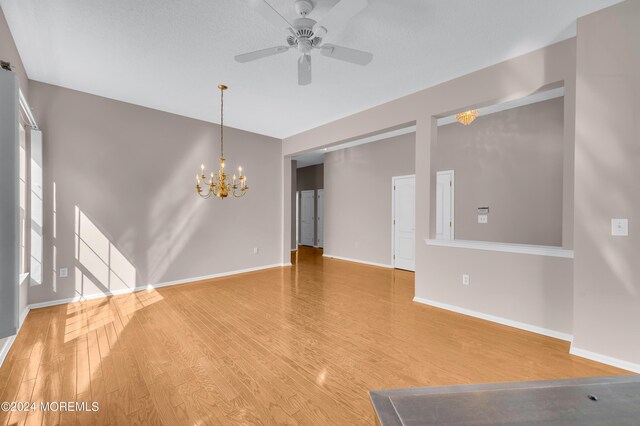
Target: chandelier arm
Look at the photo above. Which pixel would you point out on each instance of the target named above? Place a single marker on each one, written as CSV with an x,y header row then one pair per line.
x,y
211,190
243,191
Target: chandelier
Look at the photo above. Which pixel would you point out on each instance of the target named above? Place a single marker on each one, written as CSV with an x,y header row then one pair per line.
x,y
218,183
467,117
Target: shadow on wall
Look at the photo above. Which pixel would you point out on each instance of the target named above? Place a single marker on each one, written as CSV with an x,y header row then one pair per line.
x,y
595,208
180,211
100,266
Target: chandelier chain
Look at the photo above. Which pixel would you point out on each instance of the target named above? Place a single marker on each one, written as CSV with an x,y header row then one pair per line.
x,y
221,123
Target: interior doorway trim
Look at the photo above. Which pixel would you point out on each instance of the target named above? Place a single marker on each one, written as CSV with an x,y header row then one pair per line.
x,y
319,243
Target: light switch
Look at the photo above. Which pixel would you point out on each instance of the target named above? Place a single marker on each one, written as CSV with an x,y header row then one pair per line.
x,y
620,227
64,272
483,218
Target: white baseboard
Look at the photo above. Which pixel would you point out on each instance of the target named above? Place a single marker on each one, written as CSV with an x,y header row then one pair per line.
x,y
523,326
151,286
615,362
23,316
4,351
364,262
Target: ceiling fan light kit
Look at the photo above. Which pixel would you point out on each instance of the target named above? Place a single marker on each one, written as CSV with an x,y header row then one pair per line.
x,y
305,34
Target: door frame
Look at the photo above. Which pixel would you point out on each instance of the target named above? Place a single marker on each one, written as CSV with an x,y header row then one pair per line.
x,y
313,217
297,220
319,218
453,201
393,216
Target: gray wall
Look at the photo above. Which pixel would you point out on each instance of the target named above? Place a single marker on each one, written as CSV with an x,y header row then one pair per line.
x,y
294,188
607,288
311,177
512,162
9,53
358,197
9,199
128,173
439,269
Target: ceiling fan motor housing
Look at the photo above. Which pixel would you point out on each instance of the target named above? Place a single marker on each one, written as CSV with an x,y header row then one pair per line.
x,y
304,40
305,34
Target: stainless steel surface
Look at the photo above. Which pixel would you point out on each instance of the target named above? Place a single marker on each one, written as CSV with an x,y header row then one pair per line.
x,y
555,402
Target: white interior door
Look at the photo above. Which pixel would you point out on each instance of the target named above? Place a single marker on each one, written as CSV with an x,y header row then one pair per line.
x,y
307,217
404,222
445,206
320,219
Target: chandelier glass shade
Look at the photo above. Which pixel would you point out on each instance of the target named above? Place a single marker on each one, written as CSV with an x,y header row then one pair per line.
x,y
219,184
467,117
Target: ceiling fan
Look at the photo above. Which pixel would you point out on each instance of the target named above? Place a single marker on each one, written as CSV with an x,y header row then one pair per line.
x,y
305,34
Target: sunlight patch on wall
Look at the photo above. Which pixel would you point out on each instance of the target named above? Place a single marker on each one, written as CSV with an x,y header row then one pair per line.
x,y
102,268
37,214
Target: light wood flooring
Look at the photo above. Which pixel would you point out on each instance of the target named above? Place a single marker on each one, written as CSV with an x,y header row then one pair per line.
x,y
298,345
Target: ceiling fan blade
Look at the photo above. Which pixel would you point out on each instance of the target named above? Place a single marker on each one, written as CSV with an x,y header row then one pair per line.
x,y
304,70
338,17
346,54
269,13
259,54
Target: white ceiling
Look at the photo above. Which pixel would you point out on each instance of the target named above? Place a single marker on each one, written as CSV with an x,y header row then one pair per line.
x,y
171,55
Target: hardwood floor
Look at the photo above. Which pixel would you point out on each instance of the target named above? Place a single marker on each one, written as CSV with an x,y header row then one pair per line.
x,y
299,345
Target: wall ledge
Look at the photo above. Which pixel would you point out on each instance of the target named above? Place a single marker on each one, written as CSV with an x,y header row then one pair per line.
x,y
364,262
604,359
504,247
151,286
504,321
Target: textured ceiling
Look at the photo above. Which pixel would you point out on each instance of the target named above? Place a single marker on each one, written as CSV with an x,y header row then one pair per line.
x,y
170,55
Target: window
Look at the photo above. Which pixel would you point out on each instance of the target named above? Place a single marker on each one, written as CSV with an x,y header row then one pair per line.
x,y
36,207
23,201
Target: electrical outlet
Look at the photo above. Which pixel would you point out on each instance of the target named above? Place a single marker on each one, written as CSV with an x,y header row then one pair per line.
x,y
255,250
483,218
465,279
64,272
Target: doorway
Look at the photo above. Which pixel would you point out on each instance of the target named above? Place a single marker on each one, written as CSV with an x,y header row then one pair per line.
x,y
307,218
403,216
